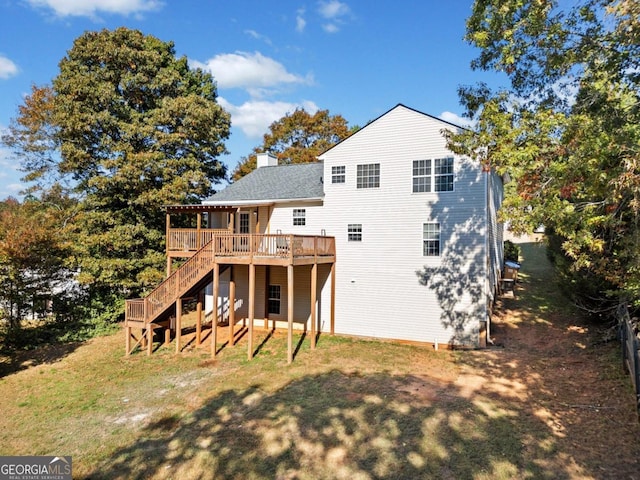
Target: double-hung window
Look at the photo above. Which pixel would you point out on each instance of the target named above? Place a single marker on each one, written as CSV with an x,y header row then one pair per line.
x,y
433,175
354,232
443,174
274,300
431,239
338,174
299,216
368,175
421,176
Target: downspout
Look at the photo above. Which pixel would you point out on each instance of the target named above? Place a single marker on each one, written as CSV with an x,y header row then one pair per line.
x,y
484,332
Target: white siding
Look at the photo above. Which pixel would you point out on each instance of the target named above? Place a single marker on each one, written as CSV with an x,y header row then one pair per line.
x,y
282,219
385,287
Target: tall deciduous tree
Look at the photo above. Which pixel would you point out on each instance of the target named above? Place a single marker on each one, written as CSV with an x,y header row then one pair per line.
x,y
132,128
568,127
34,247
298,137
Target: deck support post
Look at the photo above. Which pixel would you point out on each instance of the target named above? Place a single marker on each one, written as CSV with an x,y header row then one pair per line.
x,y
232,306
214,320
127,341
198,230
333,299
199,318
252,307
149,339
178,324
266,297
167,241
289,313
314,288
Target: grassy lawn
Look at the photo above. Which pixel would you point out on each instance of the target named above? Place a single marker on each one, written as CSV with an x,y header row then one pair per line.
x,y
350,409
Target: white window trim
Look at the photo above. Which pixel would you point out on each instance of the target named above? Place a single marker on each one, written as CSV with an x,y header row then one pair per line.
x,y
368,175
352,230
439,239
269,299
338,174
452,174
299,216
432,176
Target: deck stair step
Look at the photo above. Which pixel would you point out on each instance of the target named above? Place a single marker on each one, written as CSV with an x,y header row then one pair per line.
x,y
142,311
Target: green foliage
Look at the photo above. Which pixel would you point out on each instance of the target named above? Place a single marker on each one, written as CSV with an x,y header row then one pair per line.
x,y
33,255
591,292
128,128
298,137
567,130
511,251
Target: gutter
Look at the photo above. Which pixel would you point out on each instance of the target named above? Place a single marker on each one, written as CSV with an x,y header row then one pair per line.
x,y
266,202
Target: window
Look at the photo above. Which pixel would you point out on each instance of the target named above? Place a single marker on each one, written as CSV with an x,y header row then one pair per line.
x,y
421,176
274,299
441,175
368,175
338,174
354,232
299,216
244,222
430,239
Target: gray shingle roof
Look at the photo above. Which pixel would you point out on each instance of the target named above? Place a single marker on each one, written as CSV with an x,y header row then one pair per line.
x,y
282,182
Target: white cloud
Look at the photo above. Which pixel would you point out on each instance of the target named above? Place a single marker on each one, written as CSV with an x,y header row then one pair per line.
x,y
301,23
90,8
250,71
7,68
258,36
11,190
254,117
457,119
330,27
9,174
333,9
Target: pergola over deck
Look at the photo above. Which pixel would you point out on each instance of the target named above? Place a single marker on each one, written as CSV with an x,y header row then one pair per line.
x,y
184,242
218,249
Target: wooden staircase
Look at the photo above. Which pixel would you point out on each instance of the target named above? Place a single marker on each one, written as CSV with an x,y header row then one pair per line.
x,y
143,313
222,250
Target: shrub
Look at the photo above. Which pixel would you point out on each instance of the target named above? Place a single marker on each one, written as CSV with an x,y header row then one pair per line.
x,y
511,251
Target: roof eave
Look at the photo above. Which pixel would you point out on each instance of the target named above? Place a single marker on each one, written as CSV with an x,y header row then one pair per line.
x,y
262,203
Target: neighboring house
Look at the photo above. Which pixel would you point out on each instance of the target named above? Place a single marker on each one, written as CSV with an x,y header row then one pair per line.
x,y
418,248
390,235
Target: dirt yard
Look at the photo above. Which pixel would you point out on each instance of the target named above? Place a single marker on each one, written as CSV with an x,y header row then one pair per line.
x,y
554,363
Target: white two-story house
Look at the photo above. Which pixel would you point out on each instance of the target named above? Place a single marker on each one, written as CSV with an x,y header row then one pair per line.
x,y
389,235
418,247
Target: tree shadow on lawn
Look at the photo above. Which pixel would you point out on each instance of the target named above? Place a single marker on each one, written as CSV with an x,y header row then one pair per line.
x,y
338,425
551,360
16,360
514,412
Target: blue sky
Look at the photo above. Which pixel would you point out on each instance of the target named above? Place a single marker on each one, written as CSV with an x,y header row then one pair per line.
x,y
356,58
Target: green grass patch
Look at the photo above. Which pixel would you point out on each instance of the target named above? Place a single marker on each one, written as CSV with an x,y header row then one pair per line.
x,y
348,409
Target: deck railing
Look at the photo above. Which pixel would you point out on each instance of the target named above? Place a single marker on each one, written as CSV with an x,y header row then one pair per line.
x,y
224,244
188,240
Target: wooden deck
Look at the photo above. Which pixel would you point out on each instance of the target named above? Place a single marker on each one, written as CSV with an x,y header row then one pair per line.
x,y
223,249
260,249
